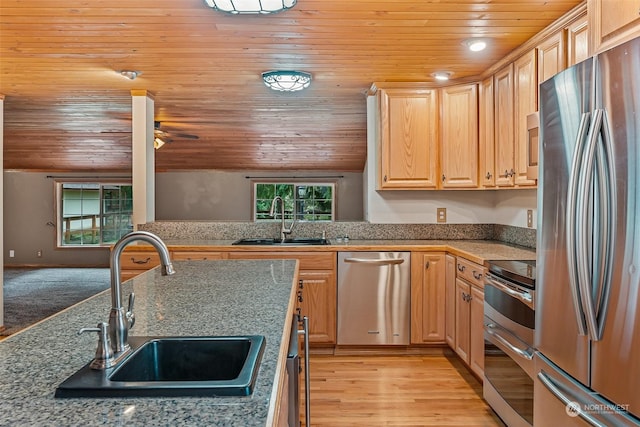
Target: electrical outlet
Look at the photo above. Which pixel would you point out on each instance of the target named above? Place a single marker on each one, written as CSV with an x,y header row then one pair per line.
x,y
530,218
441,215
12,253
39,253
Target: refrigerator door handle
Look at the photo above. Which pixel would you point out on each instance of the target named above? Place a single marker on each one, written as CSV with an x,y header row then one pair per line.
x,y
574,404
570,220
586,233
607,203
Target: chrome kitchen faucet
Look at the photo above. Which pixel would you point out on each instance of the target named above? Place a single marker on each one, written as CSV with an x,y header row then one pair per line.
x,y
115,343
284,231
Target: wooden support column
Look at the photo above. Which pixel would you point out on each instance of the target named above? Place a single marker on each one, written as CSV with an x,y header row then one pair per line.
x,y
143,172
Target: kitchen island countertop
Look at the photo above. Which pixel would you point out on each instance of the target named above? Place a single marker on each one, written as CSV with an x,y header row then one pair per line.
x,y
203,298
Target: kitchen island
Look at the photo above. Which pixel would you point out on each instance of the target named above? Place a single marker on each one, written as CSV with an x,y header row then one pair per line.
x,y
203,298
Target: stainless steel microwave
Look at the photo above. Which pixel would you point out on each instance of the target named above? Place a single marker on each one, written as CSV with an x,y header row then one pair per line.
x,y
533,140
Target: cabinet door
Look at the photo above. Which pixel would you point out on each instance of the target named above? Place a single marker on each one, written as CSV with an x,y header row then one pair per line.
x,y
459,138
486,132
612,22
577,41
551,56
526,102
408,129
450,301
476,343
427,297
463,319
319,305
503,107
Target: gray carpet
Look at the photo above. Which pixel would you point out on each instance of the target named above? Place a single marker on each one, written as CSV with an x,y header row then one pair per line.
x,y
32,294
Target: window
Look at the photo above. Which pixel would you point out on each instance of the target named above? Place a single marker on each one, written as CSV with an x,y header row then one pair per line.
x,y
304,201
93,214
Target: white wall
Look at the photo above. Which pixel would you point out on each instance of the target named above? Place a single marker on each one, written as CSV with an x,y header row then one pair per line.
x,y
506,207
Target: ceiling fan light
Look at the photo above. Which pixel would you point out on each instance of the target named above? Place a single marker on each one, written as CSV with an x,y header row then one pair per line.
x,y
130,74
157,143
250,6
286,81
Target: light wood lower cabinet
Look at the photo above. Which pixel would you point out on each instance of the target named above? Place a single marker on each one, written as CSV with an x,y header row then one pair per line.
x,y
450,300
318,277
427,297
468,303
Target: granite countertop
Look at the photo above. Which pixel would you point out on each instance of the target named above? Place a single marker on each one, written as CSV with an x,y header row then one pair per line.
x,y
474,250
203,298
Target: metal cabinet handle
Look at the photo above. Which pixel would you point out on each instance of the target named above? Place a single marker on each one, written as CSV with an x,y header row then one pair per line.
x,y
476,275
461,268
391,261
307,380
300,284
488,175
385,178
426,265
133,260
444,178
300,298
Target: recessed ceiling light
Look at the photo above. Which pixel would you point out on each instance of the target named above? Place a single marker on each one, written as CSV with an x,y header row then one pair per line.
x,y
442,75
130,74
475,45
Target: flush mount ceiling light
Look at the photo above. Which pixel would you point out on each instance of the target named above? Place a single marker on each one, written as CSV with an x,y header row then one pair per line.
x,y
130,74
157,143
250,6
286,81
475,45
442,75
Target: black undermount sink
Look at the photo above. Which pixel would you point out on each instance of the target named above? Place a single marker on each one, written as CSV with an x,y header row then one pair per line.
x,y
174,366
287,242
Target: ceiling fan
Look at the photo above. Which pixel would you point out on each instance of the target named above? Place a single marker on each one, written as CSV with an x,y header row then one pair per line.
x,y
161,136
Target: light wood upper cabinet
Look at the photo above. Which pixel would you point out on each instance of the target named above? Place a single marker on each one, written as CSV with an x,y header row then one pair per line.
x,y
503,117
577,41
459,137
486,133
612,22
427,297
526,102
408,132
551,56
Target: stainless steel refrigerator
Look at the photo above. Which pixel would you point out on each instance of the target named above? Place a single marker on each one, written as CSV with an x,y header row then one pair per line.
x,y
587,316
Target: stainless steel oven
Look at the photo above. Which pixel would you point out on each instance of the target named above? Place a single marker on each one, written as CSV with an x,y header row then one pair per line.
x,y
509,321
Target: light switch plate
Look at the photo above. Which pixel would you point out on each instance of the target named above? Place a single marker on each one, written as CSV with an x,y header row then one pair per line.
x,y
441,215
530,218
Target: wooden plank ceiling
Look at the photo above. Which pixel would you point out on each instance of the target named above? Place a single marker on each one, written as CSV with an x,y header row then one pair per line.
x,y
67,109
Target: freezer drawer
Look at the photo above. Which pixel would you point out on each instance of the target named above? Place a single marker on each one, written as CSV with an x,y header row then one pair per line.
x,y
374,290
561,400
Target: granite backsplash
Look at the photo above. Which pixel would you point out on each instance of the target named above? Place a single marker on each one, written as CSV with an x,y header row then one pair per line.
x,y
358,230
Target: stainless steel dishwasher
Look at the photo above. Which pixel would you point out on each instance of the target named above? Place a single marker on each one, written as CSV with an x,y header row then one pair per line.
x,y
374,298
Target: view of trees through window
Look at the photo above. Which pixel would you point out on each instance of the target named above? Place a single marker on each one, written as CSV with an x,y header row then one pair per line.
x,y
94,213
307,201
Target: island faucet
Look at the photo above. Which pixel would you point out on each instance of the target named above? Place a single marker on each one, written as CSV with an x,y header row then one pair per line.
x,y
284,231
120,321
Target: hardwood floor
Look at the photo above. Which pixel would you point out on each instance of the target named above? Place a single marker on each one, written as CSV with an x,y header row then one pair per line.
x,y
398,390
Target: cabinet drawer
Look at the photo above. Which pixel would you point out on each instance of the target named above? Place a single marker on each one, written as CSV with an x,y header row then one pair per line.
x,y
470,271
308,260
139,260
196,256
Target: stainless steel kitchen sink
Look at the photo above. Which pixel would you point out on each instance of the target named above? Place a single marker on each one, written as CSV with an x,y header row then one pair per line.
x,y
174,366
286,242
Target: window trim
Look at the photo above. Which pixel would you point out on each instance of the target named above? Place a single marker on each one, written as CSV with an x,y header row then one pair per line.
x,y
58,184
308,181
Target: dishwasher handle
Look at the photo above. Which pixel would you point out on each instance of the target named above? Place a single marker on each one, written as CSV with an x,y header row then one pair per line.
x,y
389,261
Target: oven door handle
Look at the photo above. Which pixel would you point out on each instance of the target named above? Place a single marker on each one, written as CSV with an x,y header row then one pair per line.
x,y
525,297
495,331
